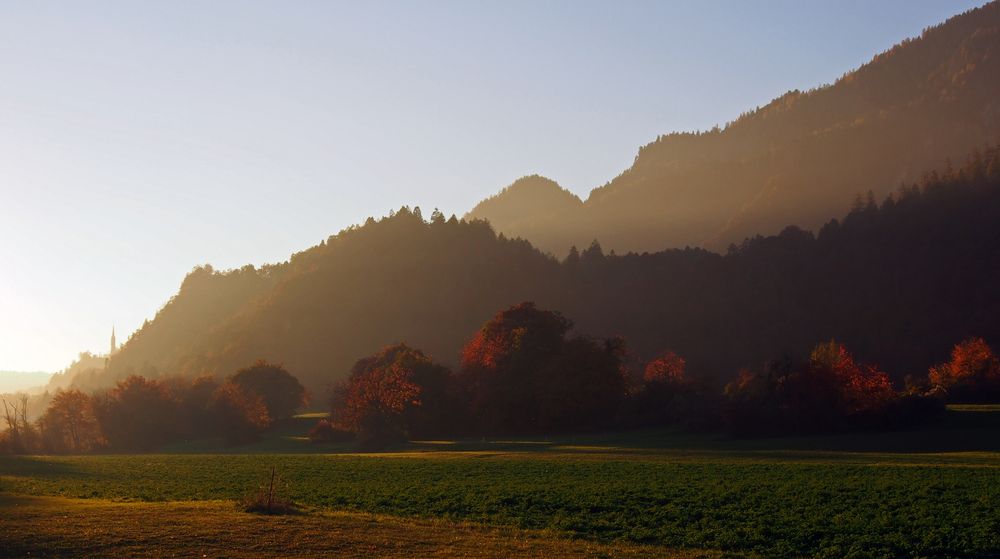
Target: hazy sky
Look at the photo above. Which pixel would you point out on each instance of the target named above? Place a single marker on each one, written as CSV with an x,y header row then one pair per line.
x,y
139,139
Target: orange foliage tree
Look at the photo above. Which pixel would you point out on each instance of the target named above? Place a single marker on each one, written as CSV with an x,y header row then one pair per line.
x,y
396,393
973,373
668,367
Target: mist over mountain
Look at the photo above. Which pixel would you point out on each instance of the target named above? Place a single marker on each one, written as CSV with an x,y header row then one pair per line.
x,y
801,159
899,282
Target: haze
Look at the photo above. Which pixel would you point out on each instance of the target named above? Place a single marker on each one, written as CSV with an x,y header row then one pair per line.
x,y
137,141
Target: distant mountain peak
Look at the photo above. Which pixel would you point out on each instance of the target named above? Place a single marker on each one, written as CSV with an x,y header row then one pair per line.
x,y
528,198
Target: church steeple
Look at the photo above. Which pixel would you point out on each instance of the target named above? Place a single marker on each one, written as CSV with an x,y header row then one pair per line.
x,y
114,346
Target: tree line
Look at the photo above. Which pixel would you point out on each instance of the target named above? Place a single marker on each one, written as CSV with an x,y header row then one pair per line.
x,y
140,413
524,372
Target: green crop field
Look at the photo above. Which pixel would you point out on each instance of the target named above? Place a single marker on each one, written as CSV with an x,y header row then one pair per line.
x,y
720,496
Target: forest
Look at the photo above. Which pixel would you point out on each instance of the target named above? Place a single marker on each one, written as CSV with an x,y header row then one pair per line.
x,y
521,373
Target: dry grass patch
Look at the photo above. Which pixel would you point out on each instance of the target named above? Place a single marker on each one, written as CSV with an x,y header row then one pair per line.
x,y
57,526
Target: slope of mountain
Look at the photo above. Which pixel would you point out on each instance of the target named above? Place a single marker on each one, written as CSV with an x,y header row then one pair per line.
x,y
899,283
801,159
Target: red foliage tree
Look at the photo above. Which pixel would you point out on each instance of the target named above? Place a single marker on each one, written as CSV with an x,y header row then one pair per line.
x,y
669,396
522,331
397,393
863,389
973,373
668,367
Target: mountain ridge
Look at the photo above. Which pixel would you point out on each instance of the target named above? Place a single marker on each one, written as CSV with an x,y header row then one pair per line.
x,y
801,159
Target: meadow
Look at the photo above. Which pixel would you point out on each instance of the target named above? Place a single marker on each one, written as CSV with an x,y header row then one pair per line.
x,y
665,490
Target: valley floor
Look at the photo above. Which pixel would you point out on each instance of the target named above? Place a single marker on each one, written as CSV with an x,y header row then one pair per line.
x,y
932,492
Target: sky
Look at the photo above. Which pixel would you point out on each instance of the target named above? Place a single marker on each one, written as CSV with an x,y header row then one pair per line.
x,y
141,139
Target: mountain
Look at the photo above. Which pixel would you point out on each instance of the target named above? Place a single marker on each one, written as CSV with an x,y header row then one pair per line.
x,y
899,282
551,206
801,159
394,279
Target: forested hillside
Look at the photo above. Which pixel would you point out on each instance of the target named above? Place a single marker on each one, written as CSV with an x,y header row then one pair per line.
x,y
799,160
899,282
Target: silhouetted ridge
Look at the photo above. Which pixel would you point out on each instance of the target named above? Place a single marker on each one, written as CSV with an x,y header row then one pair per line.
x,y
801,158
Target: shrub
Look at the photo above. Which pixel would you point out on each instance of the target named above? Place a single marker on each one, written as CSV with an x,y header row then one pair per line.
x,y
269,497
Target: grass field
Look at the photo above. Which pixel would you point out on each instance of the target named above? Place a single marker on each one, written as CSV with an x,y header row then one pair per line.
x,y
769,498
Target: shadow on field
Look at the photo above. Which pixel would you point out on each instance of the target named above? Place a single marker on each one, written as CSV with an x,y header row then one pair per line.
x,y
962,428
40,467
958,429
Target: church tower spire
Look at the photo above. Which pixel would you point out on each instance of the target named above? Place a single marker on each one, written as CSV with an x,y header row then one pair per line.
x,y
114,346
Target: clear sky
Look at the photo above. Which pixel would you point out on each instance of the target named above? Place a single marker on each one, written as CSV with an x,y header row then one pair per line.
x,y
139,139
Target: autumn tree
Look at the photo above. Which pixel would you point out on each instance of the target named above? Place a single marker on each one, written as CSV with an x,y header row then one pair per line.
x,y
70,424
972,374
829,391
396,393
238,415
138,413
667,368
282,393
863,389
668,395
523,375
